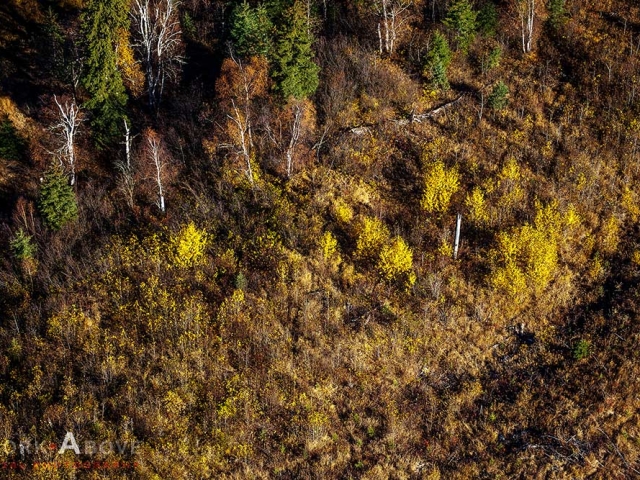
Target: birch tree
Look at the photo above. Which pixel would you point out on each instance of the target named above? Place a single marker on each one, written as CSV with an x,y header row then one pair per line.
x,y
157,159
295,137
239,86
291,133
393,15
67,128
126,180
527,13
159,41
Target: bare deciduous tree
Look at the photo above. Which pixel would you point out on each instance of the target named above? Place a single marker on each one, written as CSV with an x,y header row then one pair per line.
x,y
157,158
239,86
392,14
159,39
67,126
292,129
126,180
243,130
295,137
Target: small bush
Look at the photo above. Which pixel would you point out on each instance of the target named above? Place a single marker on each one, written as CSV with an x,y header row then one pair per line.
x,y
529,255
581,349
342,211
328,245
372,235
477,206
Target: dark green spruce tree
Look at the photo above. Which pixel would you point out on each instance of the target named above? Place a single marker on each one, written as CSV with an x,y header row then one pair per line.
x,y
102,20
487,20
437,62
557,13
461,18
12,145
57,202
251,30
295,72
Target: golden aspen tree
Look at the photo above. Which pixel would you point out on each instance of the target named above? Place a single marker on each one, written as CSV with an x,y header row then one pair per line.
x,y
189,246
440,184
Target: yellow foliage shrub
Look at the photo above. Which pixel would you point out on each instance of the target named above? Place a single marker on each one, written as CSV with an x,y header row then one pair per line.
x,y
396,259
571,217
549,220
372,235
439,186
361,192
369,151
509,279
9,109
342,211
477,206
596,269
446,247
610,233
630,203
508,247
231,306
71,325
510,171
189,246
528,255
436,148
328,245
541,255
509,184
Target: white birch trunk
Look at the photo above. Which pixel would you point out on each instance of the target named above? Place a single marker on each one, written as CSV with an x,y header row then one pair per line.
x,y
68,125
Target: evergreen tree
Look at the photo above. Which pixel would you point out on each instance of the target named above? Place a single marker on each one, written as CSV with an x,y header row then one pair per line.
x,y
276,9
295,72
54,46
22,246
498,97
101,22
491,60
438,60
251,30
57,203
11,144
557,13
488,19
461,18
